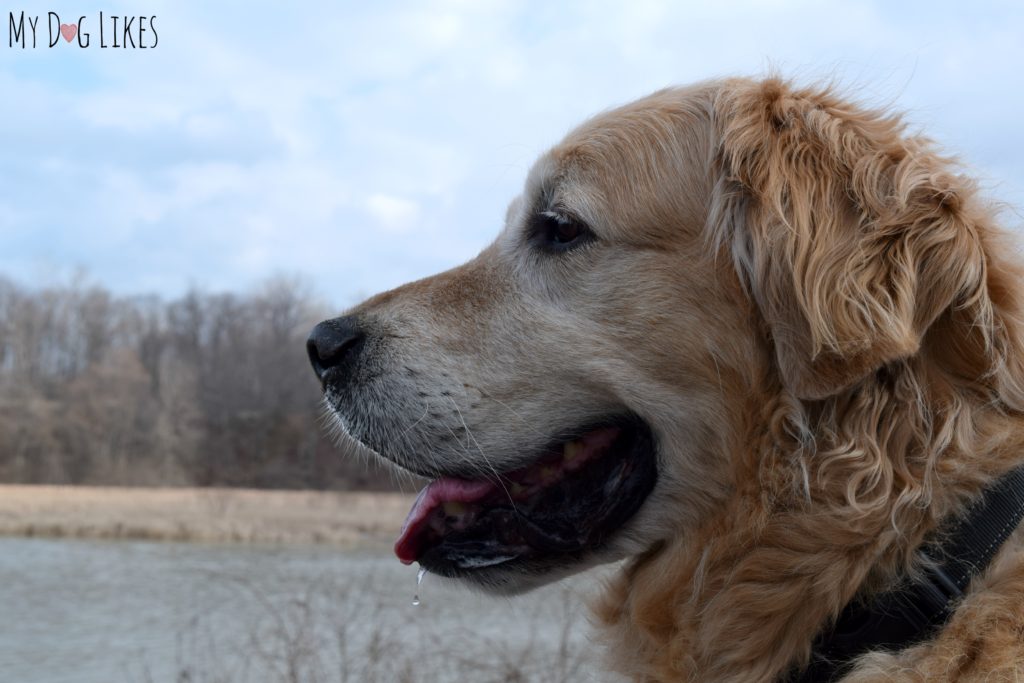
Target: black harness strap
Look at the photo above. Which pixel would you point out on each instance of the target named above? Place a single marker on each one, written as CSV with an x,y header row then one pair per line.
x,y
913,610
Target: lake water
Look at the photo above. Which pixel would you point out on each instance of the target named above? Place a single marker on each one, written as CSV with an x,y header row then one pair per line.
x,y
76,611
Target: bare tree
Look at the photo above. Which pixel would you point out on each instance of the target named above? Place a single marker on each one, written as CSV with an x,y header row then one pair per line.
x,y
209,389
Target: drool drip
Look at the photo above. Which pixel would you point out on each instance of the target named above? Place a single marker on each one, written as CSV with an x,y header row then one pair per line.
x,y
419,580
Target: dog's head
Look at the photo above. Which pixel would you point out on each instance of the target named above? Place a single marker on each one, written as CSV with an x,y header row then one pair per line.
x,y
584,388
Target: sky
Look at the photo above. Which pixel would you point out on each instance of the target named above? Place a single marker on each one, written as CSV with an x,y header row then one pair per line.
x,y
361,145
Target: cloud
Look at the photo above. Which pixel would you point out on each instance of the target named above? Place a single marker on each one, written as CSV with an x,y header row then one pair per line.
x,y
367,144
393,214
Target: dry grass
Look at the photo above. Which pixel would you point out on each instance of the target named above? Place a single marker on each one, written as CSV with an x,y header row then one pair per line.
x,y
216,515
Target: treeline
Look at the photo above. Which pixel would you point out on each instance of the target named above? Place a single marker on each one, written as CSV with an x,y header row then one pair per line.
x,y
205,390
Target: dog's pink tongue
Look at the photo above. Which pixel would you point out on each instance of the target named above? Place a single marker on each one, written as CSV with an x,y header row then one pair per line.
x,y
438,492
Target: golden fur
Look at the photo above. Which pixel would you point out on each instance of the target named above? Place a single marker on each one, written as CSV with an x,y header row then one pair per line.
x,y
897,397
819,319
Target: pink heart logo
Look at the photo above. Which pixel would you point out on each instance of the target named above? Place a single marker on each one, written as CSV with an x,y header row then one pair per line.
x,y
68,31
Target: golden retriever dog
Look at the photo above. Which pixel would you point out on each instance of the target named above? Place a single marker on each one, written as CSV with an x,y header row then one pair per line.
x,y
759,340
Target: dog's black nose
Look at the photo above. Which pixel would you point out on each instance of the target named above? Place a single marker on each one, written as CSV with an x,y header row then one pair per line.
x,y
335,343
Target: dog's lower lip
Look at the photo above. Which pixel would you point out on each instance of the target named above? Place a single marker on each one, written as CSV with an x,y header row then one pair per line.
x,y
568,501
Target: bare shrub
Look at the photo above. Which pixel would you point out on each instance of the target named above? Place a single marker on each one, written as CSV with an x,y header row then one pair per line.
x,y
334,632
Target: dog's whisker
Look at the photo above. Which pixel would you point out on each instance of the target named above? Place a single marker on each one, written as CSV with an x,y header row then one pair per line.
x,y
426,409
497,477
527,423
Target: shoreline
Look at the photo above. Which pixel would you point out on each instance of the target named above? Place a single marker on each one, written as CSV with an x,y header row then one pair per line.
x,y
211,515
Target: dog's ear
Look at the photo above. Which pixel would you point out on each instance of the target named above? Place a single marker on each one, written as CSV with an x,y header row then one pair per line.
x,y
850,235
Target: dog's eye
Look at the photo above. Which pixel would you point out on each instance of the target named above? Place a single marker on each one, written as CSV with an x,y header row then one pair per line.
x,y
556,232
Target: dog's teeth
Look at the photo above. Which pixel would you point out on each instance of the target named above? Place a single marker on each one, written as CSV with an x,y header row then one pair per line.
x,y
453,508
571,450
